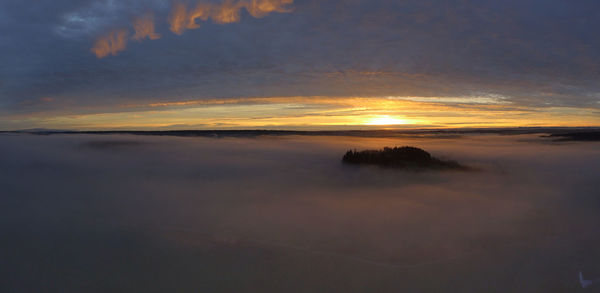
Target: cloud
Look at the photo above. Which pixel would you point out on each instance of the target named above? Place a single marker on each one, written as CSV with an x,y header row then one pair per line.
x,y
227,11
144,28
537,54
111,43
202,12
180,19
260,8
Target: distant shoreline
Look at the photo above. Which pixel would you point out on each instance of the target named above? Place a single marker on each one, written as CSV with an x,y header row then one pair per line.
x,y
557,133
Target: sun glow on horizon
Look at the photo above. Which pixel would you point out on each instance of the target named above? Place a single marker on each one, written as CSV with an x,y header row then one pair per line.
x,y
303,113
386,120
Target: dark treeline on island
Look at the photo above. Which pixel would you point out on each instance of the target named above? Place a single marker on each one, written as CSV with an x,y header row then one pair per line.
x,y
577,136
400,157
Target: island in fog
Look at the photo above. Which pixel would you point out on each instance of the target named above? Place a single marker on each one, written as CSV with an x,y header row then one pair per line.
x,y
158,213
405,157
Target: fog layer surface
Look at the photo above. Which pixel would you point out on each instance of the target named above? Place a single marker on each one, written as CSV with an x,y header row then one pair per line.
x,y
120,213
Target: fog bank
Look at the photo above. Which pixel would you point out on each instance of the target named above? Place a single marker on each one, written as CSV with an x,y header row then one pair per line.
x,y
105,213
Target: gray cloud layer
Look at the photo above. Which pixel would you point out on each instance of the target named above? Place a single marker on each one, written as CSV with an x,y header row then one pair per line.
x,y
542,53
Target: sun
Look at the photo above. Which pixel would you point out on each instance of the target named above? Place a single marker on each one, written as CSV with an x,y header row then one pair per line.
x,y
385,120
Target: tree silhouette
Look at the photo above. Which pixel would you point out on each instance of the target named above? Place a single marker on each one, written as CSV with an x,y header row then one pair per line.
x,y
399,157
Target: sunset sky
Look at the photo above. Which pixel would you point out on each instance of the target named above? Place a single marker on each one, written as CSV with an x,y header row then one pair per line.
x,y
298,64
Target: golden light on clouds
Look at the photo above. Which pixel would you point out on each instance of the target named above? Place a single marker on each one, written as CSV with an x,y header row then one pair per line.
x,y
178,18
227,12
181,19
312,113
201,12
260,8
111,43
144,28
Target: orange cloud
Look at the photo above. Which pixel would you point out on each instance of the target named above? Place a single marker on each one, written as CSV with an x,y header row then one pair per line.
x,y
181,19
228,11
178,18
260,8
111,43
202,12
144,28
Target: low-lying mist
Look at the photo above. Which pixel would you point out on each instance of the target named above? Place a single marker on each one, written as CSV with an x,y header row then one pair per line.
x,y
124,213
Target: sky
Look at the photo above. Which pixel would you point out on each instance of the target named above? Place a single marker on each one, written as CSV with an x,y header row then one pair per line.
x,y
298,64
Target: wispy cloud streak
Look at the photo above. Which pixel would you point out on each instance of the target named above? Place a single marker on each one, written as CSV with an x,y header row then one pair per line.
x,y
144,28
181,19
228,11
111,43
